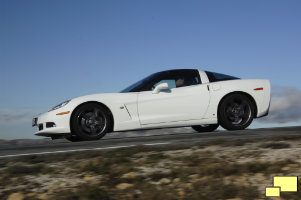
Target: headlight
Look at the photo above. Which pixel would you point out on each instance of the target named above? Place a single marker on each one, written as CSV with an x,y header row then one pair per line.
x,y
60,105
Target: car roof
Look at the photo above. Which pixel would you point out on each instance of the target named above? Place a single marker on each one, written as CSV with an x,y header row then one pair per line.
x,y
173,70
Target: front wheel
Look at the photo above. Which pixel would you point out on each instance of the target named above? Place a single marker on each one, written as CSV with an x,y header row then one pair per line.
x,y
89,122
236,112
205,128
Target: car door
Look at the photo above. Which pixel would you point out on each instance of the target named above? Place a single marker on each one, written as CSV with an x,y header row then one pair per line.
x,y
186,99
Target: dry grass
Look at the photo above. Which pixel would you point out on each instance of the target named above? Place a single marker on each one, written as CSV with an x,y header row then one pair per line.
x,y
172,172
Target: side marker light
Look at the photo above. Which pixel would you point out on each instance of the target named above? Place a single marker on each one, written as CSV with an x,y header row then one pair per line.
x,y
63,113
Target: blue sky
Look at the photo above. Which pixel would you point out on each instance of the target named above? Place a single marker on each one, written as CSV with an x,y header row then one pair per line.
x,y
55,50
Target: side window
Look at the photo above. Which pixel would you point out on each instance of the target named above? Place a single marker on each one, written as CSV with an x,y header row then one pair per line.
x,y
187,78
214,77
178,78
171,83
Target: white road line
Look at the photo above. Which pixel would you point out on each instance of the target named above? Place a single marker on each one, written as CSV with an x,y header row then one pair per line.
x,y
153,144
65,151
77,150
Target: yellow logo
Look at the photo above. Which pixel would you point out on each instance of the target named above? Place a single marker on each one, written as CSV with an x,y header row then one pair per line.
x,y
282,184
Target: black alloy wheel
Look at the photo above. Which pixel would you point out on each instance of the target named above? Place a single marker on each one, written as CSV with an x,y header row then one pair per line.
x,y
89,122
236,112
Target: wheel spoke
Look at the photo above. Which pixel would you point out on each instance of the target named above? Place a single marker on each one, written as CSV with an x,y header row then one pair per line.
x,y
232,118
229,111
237,119
93,129
246,114
85,117
96,112
100,122
243,105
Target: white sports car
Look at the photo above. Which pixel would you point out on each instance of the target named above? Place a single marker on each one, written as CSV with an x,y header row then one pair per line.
x,y
175,98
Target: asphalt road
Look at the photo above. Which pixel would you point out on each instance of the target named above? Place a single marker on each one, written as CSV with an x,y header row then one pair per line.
x,y
174,138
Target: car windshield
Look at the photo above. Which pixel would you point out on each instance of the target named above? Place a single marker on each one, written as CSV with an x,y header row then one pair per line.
x,y
136,86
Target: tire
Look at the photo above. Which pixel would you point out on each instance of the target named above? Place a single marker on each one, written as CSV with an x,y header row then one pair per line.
x,y
236,112
90,121
205,128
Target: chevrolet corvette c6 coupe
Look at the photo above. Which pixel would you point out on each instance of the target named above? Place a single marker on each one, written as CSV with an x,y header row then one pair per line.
x,y
174,98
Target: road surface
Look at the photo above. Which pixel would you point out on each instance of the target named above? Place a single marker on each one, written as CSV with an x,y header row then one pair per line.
x,y
52,147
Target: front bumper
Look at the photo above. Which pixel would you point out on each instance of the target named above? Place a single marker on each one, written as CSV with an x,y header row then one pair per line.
x,y
50,124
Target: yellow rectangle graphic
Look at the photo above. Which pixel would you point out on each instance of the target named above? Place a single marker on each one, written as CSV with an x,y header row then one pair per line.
x,y
286,183
272,191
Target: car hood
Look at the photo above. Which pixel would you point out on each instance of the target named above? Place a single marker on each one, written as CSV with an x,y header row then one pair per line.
x,y
106,98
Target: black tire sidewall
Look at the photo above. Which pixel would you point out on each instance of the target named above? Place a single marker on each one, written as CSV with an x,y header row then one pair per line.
x,y
75,129
222,118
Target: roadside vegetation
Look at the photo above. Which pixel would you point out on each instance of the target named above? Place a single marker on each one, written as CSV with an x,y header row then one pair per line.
x,y
218,169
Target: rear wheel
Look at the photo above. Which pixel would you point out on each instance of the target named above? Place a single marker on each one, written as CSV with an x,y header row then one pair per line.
x,y
205,128
236,112
89,122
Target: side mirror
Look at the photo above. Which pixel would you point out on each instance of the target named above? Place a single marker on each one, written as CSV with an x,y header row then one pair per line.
x,y
160,87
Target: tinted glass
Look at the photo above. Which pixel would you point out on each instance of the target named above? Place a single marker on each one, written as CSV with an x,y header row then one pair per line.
x,y
214,77
136,87
174,79
178,78
171,84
